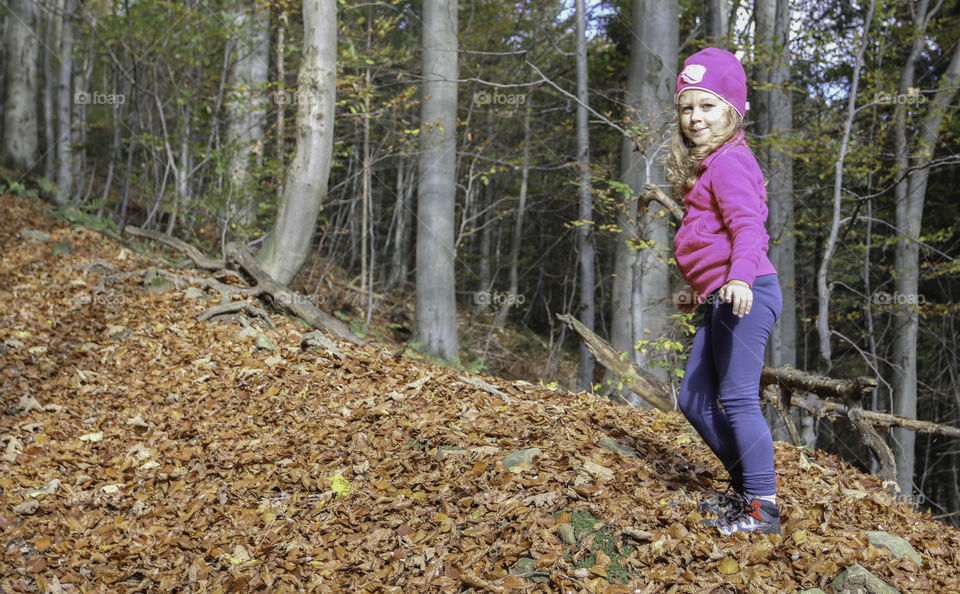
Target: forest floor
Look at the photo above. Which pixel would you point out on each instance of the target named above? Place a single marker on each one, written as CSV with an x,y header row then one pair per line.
x,y
145,451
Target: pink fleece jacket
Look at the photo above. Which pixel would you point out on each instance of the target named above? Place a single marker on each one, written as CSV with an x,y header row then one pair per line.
x,y
722,236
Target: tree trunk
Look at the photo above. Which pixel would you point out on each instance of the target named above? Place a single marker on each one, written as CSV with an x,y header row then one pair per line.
x,y
641,286
20,131
518,215
65,99
909,194
585,232
775,124
436,318
284,252
249,51
715,21
823,290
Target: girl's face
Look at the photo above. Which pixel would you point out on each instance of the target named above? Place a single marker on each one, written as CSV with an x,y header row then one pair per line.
x,y
702,115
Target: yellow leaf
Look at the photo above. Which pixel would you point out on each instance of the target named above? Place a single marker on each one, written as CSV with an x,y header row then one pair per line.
x,y
339,485
799,536
93,437
728,566
596,585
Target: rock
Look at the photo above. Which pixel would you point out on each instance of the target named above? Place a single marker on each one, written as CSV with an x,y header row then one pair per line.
x,y
895,544
612,444
857,580
32,235
27,508
316,339
601,472
50,488
96,266
520,456
248,332
62,248
566,534
195,293
524,566
264,343
445,451
154,283
119,332
158,284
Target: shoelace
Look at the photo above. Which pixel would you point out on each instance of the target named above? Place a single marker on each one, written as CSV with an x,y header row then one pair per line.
x,y
740,507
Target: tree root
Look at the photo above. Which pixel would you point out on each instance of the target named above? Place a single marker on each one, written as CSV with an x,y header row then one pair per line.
x,y
259,316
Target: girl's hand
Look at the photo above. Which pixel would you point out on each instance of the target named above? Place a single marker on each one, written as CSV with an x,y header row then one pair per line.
x,y
739,294
687,299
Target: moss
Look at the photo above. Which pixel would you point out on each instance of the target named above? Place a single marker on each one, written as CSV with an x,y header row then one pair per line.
x,y
586,524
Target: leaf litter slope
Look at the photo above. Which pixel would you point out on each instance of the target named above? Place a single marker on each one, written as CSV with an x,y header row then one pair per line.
x,y
144,451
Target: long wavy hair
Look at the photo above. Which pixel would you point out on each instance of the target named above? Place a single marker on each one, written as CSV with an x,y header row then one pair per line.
x,y
684,158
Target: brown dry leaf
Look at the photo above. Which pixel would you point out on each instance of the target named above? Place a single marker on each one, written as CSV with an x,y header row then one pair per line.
x,y
209,448
728,566
601,565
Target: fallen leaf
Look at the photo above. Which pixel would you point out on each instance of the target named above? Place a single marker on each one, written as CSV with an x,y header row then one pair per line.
x,y
728,566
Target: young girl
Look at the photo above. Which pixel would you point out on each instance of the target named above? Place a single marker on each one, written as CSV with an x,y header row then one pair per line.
x,y
721,250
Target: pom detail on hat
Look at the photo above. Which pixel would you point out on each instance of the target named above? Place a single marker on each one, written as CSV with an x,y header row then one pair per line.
x,y
716,71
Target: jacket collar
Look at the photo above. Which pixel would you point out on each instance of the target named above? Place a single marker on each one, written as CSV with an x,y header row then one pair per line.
x,y
737,140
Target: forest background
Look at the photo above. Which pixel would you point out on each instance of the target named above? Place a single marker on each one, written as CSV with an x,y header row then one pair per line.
x,y
217,121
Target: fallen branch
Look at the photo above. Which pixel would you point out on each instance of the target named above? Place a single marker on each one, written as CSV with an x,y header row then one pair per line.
x,y
833,410
642,383
653,192
888,464
238,307
198,257
651,389
286,300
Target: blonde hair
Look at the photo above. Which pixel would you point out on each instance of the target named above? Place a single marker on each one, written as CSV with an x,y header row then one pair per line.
x,y
684,158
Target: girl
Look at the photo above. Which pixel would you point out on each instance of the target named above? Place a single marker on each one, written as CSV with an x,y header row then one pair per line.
x,y
721,250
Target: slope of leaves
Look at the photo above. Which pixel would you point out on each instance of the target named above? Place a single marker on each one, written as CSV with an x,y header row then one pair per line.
x,y
143,451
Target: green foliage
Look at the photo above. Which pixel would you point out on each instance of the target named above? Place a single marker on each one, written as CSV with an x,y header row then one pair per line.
x,y
604,539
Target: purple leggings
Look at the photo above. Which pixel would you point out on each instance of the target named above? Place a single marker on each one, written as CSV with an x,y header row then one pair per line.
x,y
724,369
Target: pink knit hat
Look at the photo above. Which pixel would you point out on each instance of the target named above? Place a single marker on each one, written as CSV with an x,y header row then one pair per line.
x,y
716,71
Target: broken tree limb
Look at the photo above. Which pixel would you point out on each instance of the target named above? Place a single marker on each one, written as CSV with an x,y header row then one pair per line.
x,y
653,192
827,387
287,300
834,410
198,257
656,392
642,383
888,464
238,307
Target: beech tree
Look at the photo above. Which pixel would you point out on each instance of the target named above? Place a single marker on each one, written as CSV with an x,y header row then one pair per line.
x,y
20,129
436,317
305,185
249,54
640,301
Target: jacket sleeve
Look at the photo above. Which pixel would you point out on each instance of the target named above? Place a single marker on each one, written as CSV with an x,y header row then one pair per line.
x,y
737,186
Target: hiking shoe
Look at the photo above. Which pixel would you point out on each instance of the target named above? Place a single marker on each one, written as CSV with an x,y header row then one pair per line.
x,y
750,515
720,503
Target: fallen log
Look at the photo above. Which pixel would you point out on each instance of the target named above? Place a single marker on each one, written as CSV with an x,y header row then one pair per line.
x,y
199,258
286,300
282,297
647,386
639,381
